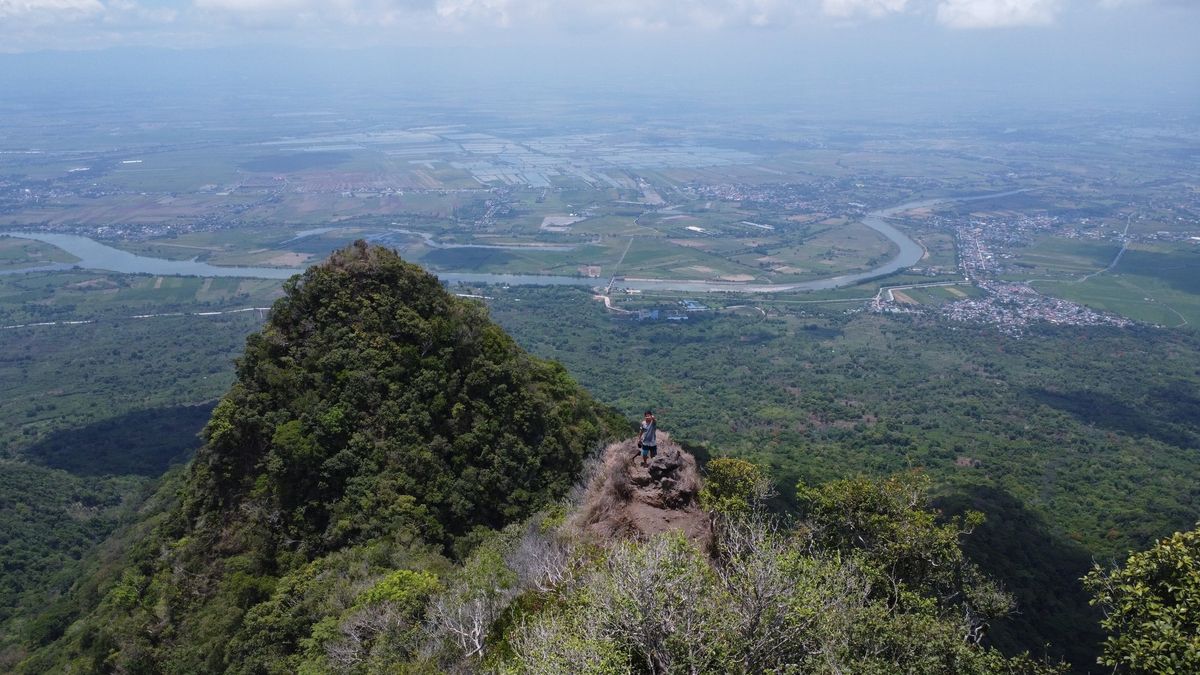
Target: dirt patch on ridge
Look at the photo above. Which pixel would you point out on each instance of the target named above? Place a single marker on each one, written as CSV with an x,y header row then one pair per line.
x,y
623,499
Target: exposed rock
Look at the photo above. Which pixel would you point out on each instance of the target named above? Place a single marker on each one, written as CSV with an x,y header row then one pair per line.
x,y
625,499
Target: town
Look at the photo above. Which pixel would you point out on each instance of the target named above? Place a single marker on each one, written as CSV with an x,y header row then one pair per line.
x,y
987,259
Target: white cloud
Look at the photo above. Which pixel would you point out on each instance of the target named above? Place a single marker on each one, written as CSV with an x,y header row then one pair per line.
x,y
85,24
292,14
49,9
996,13
666,14
873,8
30,25
1185,4
575,15
254,6
466,12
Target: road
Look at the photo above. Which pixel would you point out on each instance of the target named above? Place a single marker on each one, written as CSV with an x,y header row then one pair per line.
x,y
1117,258
134,317
613,279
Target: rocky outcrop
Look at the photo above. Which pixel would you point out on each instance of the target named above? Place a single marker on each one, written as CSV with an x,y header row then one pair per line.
x,y
625,499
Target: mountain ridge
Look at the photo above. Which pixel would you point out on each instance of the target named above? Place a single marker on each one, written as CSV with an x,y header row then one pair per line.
x,y
375,416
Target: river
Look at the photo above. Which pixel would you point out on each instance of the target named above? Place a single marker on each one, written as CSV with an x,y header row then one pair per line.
x,y
95,255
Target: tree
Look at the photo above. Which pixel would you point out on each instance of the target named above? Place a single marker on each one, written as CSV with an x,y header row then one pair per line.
x,y
1152,607
733,487
888,527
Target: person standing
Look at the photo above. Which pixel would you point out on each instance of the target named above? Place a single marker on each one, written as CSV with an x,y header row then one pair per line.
x,y
648,437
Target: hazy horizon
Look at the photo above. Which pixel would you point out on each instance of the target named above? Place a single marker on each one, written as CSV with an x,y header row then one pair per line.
x,y
870,58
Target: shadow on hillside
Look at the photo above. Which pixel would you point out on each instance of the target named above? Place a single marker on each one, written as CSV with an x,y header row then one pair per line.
x,y
1164,417
1041,570
145,443
1175,269
1177,402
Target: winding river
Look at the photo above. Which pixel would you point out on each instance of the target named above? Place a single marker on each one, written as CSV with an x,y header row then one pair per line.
x,y
95,255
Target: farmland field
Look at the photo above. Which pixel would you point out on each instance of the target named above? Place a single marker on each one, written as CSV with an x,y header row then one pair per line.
x,y
1064,258
1158,285
18,253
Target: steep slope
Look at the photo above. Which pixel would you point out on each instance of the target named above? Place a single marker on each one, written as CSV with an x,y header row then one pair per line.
x,y
371,383
377,423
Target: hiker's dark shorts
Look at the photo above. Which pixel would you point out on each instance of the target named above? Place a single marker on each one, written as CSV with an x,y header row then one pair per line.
x,y
649,451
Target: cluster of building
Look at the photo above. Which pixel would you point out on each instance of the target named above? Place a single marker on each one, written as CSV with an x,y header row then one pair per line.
x,y
155,230
659,314
680,313
984,246
984,249
1012,307
1005,233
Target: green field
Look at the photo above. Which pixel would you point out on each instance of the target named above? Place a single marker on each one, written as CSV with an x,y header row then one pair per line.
x,y
939,295
1157,284
940,247
1061,258
84,295
21,253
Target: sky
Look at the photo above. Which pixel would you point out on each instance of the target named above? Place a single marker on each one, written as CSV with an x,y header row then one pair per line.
x,y
28,25
1139,50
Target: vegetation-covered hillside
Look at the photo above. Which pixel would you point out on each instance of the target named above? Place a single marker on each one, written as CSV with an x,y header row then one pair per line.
x,y
868,581
382,490
93,414
1079,443
377,423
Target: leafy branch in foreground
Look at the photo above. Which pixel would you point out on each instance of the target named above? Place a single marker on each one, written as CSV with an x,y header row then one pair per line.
x,y
1152,607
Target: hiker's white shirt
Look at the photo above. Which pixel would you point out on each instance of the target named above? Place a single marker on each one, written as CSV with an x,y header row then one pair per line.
x,y
649,429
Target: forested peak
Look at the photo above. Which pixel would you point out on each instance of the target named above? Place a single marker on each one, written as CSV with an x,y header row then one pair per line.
x,y
381,490
354,284
373,397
